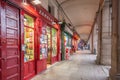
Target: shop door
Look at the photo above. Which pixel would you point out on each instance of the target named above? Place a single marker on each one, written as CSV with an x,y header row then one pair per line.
x,y
9,53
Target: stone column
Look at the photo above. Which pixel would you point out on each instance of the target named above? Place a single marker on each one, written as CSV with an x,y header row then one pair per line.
x,y
99,22
115,58
95,39
62,41
91,42
106,34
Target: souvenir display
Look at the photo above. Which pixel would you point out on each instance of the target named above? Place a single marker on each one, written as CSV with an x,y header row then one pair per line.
x,y
28,38
43,44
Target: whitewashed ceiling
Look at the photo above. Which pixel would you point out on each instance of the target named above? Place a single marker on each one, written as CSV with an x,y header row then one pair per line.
x,y
81,13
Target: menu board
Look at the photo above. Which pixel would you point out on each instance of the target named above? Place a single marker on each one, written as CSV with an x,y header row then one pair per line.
x,y
54,42
28,38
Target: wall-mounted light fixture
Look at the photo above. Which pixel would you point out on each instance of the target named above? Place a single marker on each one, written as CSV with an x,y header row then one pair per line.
x,y
53,23
36,2
60,22
24,2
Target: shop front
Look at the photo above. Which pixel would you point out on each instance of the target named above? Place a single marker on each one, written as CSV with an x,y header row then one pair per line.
x,y
48,40
28,40
68,44
48,46
75,39
67,41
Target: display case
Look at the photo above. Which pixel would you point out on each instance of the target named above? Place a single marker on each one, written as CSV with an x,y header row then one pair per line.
x,y
28,38
54,42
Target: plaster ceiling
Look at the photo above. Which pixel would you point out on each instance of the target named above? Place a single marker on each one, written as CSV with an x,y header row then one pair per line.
x,y
81,13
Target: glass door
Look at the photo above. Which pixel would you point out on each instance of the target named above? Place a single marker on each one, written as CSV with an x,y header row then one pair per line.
x,y
49,44
54,42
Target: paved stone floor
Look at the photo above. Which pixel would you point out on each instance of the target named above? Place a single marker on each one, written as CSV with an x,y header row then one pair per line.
x,y
81,66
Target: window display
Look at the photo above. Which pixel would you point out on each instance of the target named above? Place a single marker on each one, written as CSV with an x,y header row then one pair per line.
x,y
67,40
43,44
28,38
54,42
28,21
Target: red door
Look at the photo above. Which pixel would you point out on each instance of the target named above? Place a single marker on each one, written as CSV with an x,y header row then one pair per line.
x,y
9,47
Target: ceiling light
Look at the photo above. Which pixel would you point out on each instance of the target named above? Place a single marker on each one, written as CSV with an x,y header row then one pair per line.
x,y
36,2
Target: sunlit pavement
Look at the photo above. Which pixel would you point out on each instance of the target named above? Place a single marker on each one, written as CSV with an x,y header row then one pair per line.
x,y
80,66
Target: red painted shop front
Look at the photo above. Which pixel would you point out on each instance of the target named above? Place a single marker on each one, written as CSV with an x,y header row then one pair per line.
x,y
22,52
48,47
74,41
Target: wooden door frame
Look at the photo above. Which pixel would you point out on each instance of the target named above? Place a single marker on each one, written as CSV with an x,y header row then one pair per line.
x,y
3,37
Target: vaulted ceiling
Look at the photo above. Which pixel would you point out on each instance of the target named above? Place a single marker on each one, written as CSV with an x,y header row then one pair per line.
x,y
81,13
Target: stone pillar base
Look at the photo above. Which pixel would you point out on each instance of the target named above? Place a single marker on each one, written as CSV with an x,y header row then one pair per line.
x,y
116,77
109,78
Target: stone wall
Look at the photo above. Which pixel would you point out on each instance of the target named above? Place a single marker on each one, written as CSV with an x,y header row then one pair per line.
x,y
115,58
95,39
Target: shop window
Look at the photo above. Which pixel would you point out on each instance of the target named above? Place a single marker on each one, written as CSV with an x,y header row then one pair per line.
x,y
28,38
67,40
51,10
28,21
43,44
